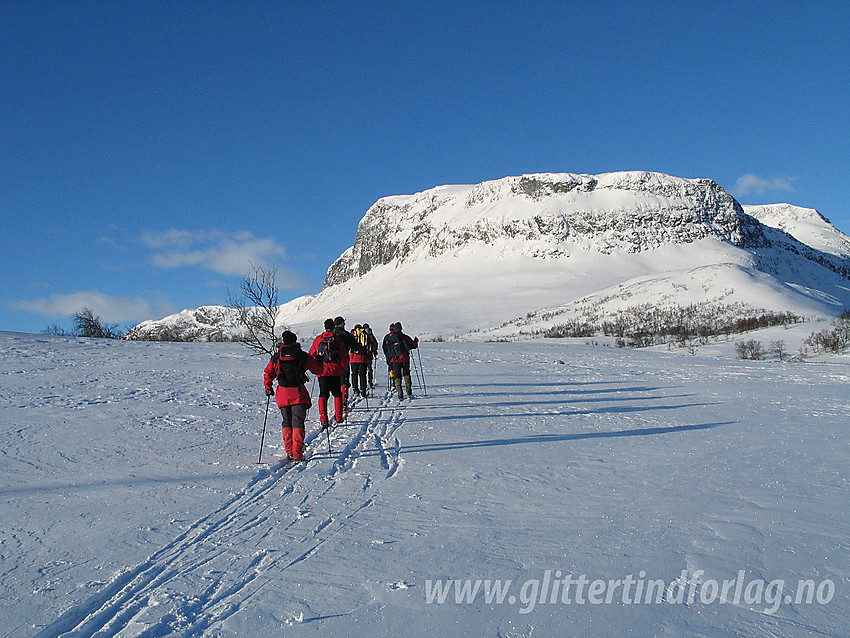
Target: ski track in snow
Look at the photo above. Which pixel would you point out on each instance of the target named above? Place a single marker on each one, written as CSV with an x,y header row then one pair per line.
x,y
197,581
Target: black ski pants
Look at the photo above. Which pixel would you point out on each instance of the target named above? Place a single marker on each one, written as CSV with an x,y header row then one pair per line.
x,y
358,377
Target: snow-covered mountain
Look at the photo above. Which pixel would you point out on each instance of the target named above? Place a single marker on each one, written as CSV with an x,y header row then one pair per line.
x,y
457,259
207,323
544,216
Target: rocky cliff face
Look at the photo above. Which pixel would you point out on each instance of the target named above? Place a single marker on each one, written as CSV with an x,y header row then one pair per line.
x,y
547,216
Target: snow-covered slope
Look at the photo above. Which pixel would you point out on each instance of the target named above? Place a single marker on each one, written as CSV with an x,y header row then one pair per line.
x,y
455,259
716,294
131,505
804,224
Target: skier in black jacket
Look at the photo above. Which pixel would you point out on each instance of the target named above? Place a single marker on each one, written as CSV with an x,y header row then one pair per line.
x,y
352,346
397,347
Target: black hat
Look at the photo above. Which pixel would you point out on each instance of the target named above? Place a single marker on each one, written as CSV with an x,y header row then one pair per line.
x,y
288,338
398,325
366,326
339,321
357,327
329,324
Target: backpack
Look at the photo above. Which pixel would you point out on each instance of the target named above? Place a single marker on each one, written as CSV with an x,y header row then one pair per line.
x,y
363,340
328,352
290,374
396,345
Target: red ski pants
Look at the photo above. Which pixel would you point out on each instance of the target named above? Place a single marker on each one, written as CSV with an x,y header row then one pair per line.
x,y
293,429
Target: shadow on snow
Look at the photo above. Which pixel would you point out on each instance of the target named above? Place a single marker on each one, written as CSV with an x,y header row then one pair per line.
x,y
551,438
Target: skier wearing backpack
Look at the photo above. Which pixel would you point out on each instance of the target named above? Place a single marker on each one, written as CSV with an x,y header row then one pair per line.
x,y
360,361
330,350
289,366
373,352
351,346
397,347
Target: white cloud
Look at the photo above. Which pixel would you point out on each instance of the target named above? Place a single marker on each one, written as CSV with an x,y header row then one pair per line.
x,y
216,250
108,308
750,184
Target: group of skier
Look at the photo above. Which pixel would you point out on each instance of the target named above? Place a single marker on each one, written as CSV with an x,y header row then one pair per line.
x,y
340,360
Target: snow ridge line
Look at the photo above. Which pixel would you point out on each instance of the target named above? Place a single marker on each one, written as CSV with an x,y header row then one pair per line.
x,y
124,602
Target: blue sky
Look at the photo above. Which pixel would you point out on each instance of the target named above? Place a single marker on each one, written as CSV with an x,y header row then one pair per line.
x,y
150,150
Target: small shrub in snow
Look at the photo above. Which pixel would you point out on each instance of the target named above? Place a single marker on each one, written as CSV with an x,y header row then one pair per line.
x,y
87,324
55,330
749,349
778,349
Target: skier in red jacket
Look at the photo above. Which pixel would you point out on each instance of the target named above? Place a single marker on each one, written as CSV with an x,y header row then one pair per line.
x,y
329,349
289,366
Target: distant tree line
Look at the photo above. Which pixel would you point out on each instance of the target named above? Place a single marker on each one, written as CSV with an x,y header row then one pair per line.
x,y
647,325
180,334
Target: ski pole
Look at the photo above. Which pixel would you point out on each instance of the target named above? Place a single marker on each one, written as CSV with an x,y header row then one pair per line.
x,y
312,389
263,438
328,432
424,387
416,370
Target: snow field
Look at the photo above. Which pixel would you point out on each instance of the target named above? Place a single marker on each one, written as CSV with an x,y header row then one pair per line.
x,y
132,505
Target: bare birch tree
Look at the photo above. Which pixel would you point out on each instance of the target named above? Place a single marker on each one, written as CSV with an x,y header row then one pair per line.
x,y
256,307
